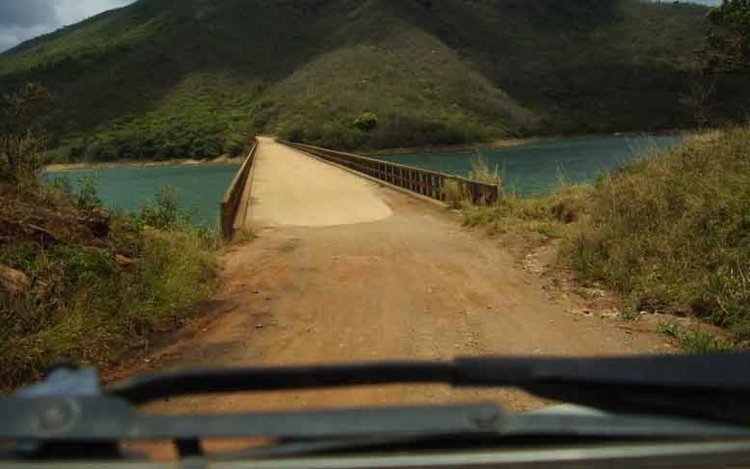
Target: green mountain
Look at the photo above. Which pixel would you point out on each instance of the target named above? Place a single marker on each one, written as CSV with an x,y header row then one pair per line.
x,y
166,78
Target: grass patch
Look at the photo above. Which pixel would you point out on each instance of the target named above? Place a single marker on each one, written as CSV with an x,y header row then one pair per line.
x,y
244,235
695,341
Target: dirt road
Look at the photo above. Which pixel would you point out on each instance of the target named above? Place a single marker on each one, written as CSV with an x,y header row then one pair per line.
x,y
344,269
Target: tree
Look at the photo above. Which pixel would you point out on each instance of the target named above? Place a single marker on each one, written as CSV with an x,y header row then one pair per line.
x,y
722,67
729,37
22,133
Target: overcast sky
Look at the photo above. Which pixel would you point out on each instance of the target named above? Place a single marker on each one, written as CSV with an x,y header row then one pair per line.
x,y
21,20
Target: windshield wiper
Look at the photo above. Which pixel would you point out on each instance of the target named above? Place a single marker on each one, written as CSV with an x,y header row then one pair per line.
x,y
653,398
715,387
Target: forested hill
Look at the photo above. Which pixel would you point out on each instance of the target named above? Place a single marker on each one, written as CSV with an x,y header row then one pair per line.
x,y
167,78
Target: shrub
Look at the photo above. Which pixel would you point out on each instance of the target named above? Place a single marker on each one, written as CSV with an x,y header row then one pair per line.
x,y
87,197
164,213
366,121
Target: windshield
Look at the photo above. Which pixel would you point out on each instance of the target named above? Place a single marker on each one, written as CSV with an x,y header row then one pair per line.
x,y
235,184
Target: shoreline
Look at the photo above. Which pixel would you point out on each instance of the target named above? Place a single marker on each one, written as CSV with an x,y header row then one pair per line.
x,y
223,160
495,144
499,144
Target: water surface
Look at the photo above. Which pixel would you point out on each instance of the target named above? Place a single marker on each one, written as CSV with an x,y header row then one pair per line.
x,y
198,187
528,169
540,167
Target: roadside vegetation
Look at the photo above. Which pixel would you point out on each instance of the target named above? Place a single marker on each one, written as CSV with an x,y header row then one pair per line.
x,y
670,232
77,281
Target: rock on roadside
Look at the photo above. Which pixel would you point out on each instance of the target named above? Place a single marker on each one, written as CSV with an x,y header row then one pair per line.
x,y
13,281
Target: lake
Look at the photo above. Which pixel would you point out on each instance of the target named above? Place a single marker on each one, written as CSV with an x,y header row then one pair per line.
x,y
528,169
198,187
539,167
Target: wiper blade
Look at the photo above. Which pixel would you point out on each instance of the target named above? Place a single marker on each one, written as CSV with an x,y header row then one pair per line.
x,y
709,387
110,419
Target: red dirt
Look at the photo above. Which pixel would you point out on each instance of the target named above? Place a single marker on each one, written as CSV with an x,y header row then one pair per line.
x,y
415,285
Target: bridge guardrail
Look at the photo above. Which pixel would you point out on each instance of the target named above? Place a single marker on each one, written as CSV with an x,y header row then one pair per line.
x,y
422,181
230,204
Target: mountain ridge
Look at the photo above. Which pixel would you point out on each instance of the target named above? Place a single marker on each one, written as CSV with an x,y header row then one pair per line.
x,y
169,78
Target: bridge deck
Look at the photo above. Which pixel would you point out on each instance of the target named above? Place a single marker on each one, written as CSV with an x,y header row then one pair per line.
x,y
292,189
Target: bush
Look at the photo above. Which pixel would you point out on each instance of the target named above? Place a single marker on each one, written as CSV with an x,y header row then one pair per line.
x,y
93,295
366,121
164,213
673,230
87,197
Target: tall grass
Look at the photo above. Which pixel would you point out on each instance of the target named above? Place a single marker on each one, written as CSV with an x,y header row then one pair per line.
x,y
672,231
482,172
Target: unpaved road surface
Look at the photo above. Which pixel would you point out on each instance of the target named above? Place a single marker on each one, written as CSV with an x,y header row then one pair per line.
x,y
344,270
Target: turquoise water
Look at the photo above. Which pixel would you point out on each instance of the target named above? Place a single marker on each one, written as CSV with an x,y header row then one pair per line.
x,y
199,188
537,168
527,169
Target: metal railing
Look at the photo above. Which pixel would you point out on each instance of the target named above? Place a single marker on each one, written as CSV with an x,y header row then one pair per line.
x,y
421,181
230,204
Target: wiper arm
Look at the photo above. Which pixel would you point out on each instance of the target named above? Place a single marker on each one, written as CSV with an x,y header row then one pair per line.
x,y
713,387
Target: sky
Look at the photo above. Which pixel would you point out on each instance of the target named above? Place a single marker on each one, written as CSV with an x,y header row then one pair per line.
x,y
21,20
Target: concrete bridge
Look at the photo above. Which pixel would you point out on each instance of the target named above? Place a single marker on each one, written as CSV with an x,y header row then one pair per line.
x,y
299,185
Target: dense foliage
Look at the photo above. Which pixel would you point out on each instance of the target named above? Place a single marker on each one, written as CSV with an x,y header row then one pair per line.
x,y
718,94
196,78
21,133
729,36
93,284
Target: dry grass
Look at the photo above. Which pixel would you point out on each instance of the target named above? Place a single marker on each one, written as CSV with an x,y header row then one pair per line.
x,y
549,215
672,231
481,171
